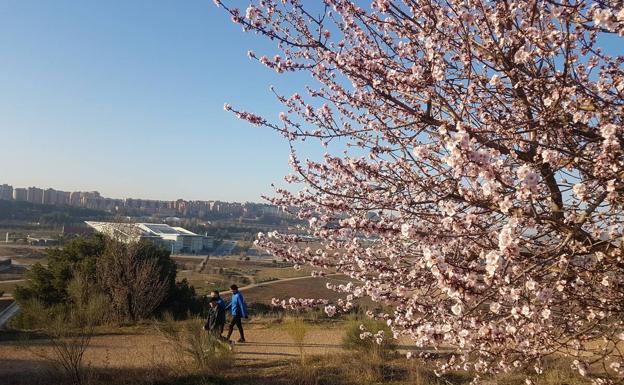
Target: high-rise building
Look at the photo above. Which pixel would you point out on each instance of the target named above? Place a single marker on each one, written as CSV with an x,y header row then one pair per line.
x,y
49,196
6,192
20,194
62,197
74,198
34,195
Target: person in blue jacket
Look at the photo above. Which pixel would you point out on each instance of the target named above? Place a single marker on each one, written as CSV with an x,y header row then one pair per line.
x,y
221,305
238,309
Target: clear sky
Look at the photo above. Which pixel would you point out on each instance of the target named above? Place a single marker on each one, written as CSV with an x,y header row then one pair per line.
x,y
126,97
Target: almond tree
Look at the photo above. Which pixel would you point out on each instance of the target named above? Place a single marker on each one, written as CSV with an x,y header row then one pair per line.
x,y
480,188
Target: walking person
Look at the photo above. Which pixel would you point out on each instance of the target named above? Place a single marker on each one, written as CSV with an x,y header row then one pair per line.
x,y
214,314
221,304
238,309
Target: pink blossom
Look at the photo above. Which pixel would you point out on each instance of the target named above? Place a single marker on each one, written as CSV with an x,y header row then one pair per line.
x,y
471,190
381,5
252,12
580,190
545,313
495,81
602,16
522,56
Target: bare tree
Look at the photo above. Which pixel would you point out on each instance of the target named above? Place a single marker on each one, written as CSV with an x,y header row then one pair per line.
x,y
68,330
69,345
130,272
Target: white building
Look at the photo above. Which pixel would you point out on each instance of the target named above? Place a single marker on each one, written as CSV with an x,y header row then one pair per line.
x,y
176,239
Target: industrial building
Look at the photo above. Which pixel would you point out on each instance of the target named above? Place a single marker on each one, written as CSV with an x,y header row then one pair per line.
x,y
176,239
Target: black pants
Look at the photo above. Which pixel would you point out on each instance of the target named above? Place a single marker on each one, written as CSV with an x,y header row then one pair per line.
x,y
236,320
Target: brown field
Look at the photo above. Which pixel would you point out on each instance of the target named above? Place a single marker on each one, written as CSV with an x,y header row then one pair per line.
x,y
8,287
112,347
23,254
272,273
186,263
298,288
204,283
221,273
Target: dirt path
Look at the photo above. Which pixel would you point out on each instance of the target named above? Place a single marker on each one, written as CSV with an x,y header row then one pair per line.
x,y
147,349
14,281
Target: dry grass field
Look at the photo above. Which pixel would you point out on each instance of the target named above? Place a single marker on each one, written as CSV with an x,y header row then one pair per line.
x,y
8,287
22,254
298,288
273,273
204,283
140,355
221,273
137,348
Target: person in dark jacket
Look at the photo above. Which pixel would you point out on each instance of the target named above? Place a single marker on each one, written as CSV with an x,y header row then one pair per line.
x,y
238,309
221,304
212,323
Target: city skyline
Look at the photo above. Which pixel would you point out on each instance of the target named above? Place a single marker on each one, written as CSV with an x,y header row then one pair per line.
x,y
163,208
41,190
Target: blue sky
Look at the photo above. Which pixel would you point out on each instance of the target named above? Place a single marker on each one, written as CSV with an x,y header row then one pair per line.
x,y
126,97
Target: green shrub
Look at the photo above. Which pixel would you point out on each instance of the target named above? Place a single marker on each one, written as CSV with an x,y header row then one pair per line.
x,y
85,267
181,301
49,283
31,316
